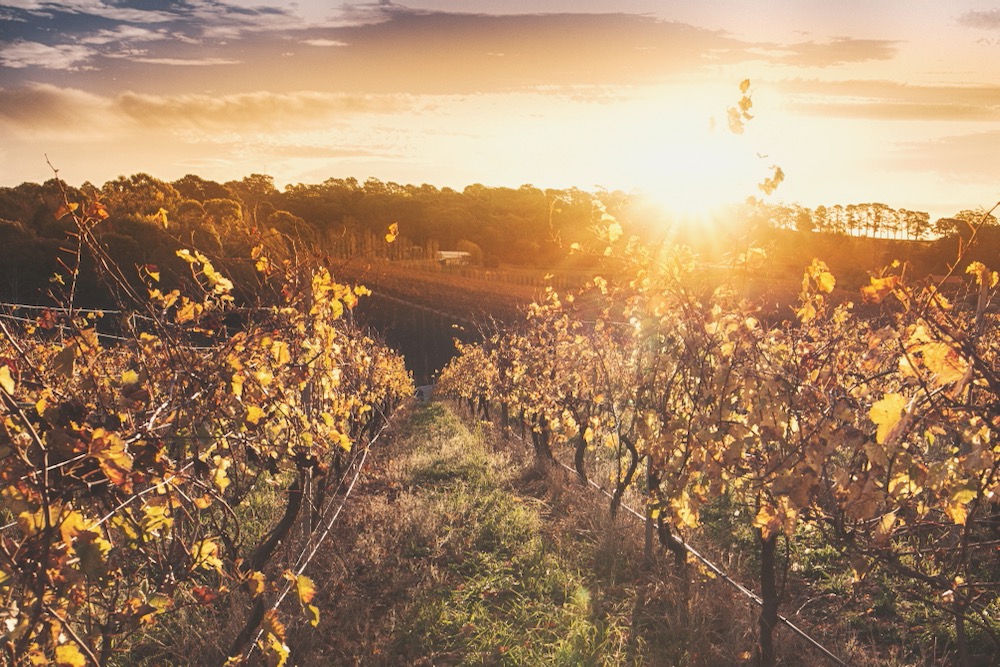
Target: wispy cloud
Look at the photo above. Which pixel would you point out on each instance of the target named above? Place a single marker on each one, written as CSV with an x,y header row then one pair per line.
x,y
838,51
958,157
45,107
115,11
890,100
983,20
124,33
62,114
184,62
22,54
324,42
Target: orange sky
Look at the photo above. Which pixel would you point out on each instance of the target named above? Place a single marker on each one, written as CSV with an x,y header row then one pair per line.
x,y
895,101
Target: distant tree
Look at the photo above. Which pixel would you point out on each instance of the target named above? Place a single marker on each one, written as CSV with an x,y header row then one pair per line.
x,y
475,252
821,217
139,195
804,220
916,224
200,189
254,191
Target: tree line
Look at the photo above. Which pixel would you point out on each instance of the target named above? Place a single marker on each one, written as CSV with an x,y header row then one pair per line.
x,y
345,218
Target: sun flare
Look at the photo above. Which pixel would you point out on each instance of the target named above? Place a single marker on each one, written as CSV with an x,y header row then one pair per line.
x,y
698,177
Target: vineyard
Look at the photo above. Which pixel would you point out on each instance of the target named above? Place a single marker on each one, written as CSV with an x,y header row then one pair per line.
x,y
867,432
185,469
181,459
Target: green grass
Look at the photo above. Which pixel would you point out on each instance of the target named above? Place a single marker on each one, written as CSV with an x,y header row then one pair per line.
x,y
505,597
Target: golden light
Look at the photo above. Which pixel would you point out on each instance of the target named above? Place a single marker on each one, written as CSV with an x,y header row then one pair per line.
x,y
697,176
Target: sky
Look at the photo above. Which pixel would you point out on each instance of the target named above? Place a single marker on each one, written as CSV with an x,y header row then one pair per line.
x,y
895,101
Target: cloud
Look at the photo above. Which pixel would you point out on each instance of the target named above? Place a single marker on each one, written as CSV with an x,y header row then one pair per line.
x,y
184,62
324,42
838,51
42,106
123,33
891,100
965,157
64,114
327,153
115,11
22,54
252,111
984,20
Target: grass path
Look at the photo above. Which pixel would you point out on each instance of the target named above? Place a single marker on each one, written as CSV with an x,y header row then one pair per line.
x,y
458,554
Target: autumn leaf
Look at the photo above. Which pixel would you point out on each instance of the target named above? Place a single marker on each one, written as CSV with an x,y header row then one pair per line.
x,y
152,271
62,363
112,454
273,625
206,555
220,479
65,210
392,233
878,288
254,413
825,281
306,589
313,613
6,380
68,655
886,414
257,583
614,231
276,652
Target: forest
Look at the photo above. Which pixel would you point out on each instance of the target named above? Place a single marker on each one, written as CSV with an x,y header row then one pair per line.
x,y
523,227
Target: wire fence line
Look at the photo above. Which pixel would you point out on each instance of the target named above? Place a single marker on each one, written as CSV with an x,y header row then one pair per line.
x,y
716,569
312,548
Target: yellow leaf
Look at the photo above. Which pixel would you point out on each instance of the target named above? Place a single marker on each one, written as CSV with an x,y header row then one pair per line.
x,y
162,216
275,651
68,655
807,313
956,512
825,281
155,518
6,380
883,530
305,588
254,414
206,555
219,477
112,455
129,377
942,360
886,415
392,233
257,583
188,310
65,210
964,496
878,288
614,232
313,613
767,521
279,350
237,384
273,625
